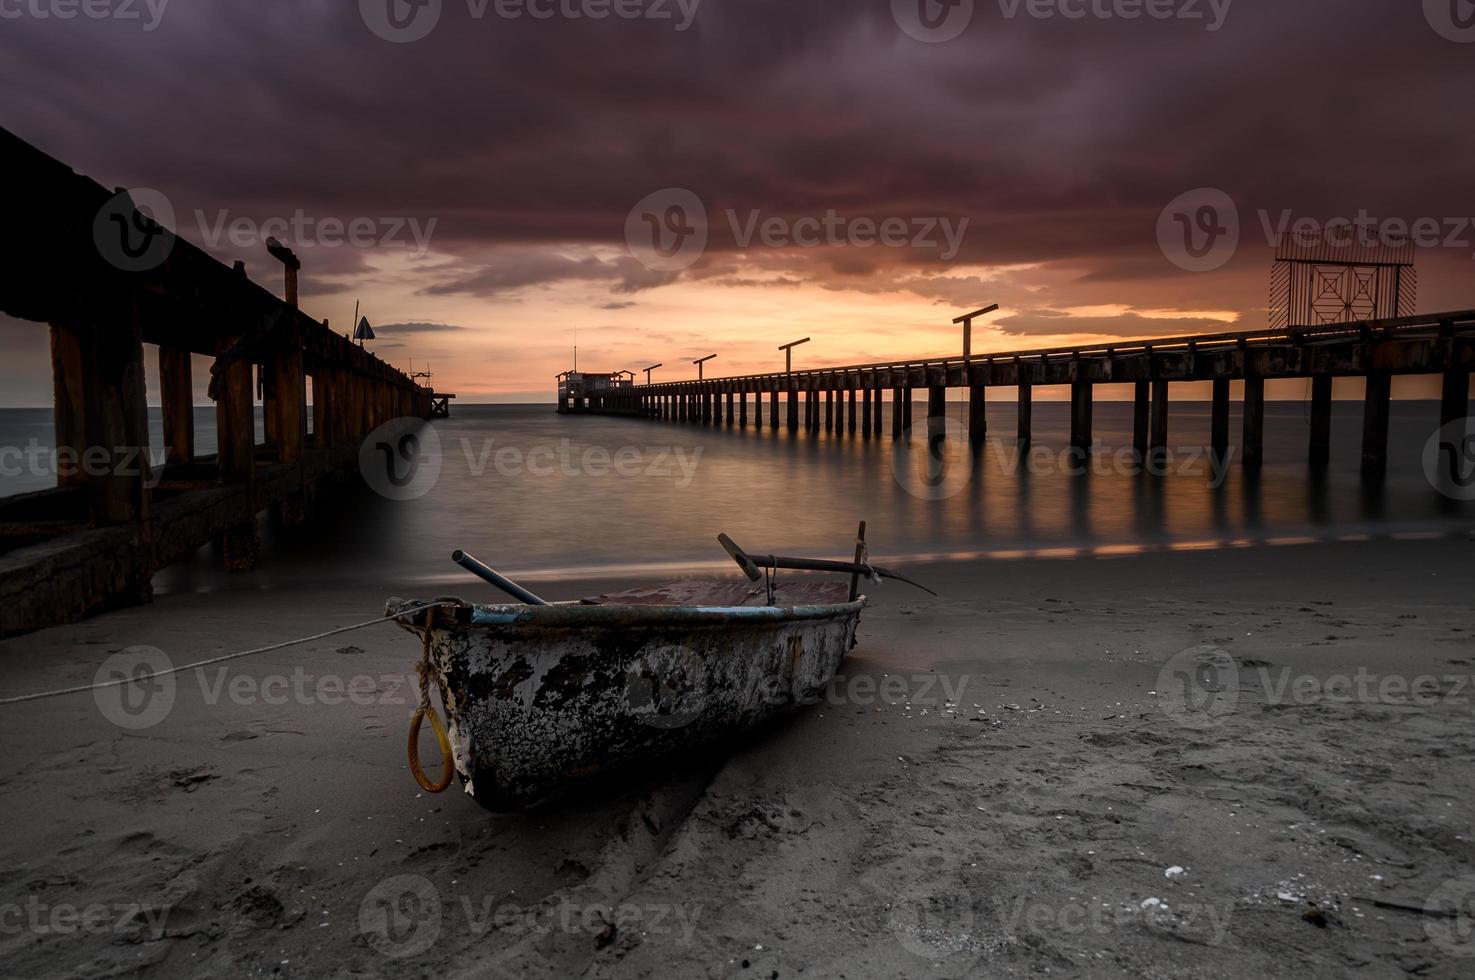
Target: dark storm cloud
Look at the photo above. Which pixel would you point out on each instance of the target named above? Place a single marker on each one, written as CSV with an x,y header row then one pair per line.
x,y
1060,140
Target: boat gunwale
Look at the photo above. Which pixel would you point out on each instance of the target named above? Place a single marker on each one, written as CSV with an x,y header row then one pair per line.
x,y
577,615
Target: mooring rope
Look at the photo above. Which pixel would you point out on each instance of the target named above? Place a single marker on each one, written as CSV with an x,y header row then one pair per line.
x,y
229,656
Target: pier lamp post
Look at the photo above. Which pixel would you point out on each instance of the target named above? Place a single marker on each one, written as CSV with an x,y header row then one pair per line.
x,y
700,361
788,350
649,370
967,321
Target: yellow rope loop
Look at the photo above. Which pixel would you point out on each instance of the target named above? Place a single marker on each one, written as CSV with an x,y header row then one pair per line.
x,y
427,710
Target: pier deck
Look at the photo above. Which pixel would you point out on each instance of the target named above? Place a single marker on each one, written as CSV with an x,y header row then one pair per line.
x,y
852,395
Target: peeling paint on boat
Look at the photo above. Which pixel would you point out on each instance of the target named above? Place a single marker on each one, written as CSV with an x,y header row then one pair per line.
x,y
540,697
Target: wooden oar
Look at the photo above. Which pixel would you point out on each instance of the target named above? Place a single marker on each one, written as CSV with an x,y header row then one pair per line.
x,y
751,564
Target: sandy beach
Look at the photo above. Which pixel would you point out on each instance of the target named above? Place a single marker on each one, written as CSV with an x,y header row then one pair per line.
x,y
1017,778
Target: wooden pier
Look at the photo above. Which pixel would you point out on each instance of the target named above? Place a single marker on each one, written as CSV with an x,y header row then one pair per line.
x,y
97,538
852,396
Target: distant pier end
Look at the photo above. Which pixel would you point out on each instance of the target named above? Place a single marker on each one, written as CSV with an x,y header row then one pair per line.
x,y
585,391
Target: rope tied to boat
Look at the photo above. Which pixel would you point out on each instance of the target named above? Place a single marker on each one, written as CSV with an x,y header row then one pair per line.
x,y
427,710
139,678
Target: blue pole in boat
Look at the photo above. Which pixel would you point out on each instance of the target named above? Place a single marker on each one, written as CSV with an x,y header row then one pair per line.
x,y
488,573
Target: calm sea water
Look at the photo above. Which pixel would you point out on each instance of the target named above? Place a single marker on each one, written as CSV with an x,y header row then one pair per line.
x,y
547,496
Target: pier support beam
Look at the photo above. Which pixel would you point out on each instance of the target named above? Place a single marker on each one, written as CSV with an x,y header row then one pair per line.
x,y
322,410
1080,415
101,414
728,417
896,414
850,419
1321,420
1157,434
839,411
865,416
1375,407
906,410
1454,403
1141,411
1219,419
936,412
773,409
235,438
177,404
1026,414
1252,449
793,410
829,410
977,413
287,406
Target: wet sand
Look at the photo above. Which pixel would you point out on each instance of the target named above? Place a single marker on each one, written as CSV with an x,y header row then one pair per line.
x,y
1022,776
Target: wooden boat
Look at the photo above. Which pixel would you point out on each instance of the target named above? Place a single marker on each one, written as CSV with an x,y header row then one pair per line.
x,y
540,696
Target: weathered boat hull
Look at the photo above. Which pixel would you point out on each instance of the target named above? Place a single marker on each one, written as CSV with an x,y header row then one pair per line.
x,y
540,697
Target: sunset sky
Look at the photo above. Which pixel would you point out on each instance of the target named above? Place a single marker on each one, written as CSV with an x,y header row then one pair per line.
x,y
518,148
